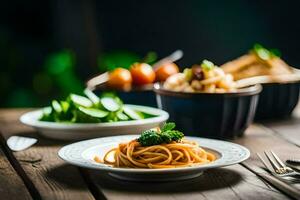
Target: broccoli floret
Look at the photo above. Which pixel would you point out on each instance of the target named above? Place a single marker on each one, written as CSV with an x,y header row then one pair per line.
x,y
149,138
167,135
176,135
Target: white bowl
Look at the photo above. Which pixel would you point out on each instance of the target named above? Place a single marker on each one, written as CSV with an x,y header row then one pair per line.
x,y
82,154
76,131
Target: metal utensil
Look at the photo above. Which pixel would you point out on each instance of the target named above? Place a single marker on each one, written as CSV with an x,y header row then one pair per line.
x,y
275,181
176,55
97,80
294,164
279,168
293,161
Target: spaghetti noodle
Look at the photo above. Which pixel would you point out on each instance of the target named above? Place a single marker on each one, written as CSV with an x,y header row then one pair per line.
x,y
183,153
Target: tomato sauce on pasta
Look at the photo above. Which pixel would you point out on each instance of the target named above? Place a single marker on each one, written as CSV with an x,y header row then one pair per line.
x,y
183,153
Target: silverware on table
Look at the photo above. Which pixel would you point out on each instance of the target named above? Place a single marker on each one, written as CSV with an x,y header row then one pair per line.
x,y
293,161
279,168
294,164
275,181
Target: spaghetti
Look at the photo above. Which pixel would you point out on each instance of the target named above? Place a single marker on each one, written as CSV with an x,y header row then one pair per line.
x,y
183,153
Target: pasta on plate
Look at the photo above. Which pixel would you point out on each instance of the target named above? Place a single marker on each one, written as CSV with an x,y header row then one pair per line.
x,y
157,149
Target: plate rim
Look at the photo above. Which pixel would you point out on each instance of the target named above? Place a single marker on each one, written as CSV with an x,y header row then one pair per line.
x,y
27,119
102,167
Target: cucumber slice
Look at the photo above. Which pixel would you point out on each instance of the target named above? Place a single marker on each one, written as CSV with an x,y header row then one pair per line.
x,y
56,106
81,117
112,117
110,104
122,116
93,112
146,111
80,100
47,114
91,95
131,113
65,106
47,111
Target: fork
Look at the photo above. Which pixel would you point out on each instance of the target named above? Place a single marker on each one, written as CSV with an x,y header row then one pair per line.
x,y
279,168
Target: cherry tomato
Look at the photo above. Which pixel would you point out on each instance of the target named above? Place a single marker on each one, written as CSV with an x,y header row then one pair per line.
x,y
166,70
120,78
142,73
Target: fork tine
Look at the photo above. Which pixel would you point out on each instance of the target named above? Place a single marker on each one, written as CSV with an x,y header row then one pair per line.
x,y
278,159
265,163
274,164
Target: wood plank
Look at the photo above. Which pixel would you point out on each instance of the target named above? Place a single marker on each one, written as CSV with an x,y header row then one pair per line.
x,y
287,128
234,182
259,138
50,176
11,185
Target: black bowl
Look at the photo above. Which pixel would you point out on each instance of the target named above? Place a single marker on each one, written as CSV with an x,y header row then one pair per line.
x,y
277,100
142,95
145,98
212,115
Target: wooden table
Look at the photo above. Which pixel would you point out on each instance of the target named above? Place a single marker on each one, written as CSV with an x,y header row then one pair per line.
x,y
38,173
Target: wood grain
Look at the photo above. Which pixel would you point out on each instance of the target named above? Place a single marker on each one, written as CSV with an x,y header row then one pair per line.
x,y
51,177
260,138
287,128
234,182
11,185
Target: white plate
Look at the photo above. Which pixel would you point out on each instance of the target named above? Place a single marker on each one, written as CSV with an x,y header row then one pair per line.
x,y
82,154
69,131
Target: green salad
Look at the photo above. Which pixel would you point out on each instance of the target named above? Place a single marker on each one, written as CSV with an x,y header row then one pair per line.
x,y
91,109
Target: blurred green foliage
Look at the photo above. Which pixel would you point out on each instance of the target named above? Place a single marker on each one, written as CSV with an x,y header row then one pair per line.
x,y
110,61
60,67
56,78
21,97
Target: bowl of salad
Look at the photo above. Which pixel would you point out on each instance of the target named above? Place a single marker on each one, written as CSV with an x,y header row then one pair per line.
x,y
80,117
205,101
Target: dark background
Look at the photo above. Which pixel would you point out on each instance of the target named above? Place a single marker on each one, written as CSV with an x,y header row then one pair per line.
x,y
49,48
